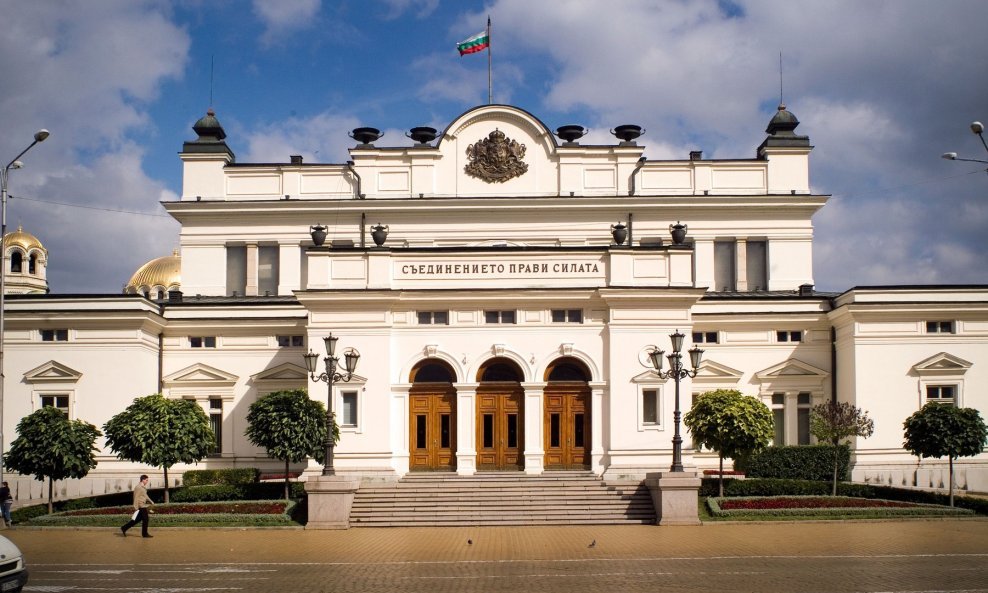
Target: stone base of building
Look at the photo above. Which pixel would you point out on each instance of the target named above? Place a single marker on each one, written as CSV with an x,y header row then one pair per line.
x,y
675,496
330,500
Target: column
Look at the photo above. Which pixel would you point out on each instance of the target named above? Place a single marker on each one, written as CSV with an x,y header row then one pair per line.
x,y
466,428
251,289
534,424
597,393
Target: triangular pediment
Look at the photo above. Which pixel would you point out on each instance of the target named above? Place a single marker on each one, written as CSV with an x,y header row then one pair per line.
x,y
647,377
714,372
942,364
200,374
792,368
52,372
286,372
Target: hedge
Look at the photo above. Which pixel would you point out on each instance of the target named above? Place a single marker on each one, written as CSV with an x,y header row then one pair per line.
x,y
232,476
218,492
802,462
780,487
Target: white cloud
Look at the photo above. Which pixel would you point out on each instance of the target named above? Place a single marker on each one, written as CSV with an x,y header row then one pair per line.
x,y
87,73
285,16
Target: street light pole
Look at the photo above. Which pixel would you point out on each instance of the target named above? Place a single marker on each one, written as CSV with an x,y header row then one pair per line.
x,y
39,136
331,376
978,129
677,373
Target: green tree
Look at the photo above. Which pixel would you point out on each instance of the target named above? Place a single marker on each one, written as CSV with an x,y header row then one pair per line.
x,y
833,422
160,432
730,423
938,430
290,426
49,445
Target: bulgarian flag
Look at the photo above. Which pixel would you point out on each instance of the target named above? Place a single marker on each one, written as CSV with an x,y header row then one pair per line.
x,y
477,43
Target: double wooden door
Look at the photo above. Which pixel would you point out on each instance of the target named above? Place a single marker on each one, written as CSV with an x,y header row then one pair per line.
x,y
432,433
567,427
500,428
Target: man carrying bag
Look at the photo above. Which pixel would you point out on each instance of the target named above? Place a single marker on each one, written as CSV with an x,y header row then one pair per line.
x,y
141,508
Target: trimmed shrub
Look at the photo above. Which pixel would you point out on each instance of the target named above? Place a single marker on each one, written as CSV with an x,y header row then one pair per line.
x,y
218,492
231,476
803,462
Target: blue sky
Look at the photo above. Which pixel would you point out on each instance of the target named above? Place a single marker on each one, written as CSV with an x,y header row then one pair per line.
x,y
882,88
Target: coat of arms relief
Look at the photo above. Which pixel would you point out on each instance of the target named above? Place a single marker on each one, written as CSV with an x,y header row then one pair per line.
x,y
496,159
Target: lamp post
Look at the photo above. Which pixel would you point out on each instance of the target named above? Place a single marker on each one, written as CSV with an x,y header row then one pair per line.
x,y
978,129
677,373
39,136
330,376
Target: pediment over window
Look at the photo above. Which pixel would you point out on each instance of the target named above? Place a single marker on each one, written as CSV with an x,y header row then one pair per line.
x,y
941,364
647,377
712,372
52,372
791,374
282,373
200,375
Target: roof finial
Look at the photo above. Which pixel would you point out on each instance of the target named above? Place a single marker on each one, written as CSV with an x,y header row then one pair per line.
x,y
782,103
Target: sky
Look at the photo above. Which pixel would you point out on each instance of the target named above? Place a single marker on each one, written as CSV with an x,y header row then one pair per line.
x,y
882,88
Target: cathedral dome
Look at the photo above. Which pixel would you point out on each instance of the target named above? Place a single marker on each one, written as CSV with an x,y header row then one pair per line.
x,y
22,239
157,277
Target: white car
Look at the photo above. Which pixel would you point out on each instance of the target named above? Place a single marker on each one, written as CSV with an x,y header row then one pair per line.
x,y
13,571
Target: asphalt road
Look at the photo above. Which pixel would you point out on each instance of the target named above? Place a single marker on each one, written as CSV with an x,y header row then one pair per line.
x,y
827,557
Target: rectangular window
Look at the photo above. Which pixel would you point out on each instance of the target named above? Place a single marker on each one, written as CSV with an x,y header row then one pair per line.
x,y
803,404
779,417
789,336
433,317
757,265
725,265
567,315
499,317
54,335
943,394
202,341
56,401
705,337
216,424
267,270
650,406
349,412
291,341
420,434
236,270
940,327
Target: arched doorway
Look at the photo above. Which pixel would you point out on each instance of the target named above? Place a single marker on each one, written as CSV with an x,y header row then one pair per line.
x,y
432,417
566,420
500,419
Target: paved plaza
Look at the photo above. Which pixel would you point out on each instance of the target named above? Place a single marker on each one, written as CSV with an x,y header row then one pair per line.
x,y
873,557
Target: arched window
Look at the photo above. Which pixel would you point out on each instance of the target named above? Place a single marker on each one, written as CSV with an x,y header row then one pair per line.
x,y
32,264
500,370
432,372
16,262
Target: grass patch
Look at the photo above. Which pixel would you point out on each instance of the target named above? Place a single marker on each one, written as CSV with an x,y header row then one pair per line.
x,y
258,513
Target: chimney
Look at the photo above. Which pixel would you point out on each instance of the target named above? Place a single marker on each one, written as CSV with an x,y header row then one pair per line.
x,y
805,290
174,296
296,159
696,155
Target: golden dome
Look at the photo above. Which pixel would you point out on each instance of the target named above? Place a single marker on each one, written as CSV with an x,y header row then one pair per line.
x,y
25,241
163,271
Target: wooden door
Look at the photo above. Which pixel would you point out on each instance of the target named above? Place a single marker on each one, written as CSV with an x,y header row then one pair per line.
x,y
500,428
432,430
566,426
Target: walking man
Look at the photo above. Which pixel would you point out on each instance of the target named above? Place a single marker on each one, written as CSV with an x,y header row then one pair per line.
x,y
141,507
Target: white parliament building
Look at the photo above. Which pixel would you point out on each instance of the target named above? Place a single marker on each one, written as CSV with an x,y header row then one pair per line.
x,y
503,284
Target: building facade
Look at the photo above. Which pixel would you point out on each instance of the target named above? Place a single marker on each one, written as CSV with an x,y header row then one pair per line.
x,y
503,287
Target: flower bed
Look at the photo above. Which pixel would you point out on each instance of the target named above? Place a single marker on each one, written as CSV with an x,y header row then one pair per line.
x,y
836,506
272,513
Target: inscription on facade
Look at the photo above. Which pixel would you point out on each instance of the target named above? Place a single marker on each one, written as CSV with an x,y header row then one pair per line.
x,y
555,269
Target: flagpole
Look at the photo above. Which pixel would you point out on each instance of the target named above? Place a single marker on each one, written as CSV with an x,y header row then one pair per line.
x,y
490,91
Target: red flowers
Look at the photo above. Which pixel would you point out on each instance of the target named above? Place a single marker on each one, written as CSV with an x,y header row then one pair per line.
x,y
196,508
809,502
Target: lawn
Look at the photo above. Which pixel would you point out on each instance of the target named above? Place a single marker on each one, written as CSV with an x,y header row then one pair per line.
x,y
252,513
821,507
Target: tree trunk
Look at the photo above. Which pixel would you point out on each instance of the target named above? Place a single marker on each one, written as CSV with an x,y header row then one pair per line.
x,y
166,485
951,458
836,463
720,479
286,478
51,490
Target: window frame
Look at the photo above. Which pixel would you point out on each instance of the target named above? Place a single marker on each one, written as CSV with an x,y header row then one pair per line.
x,y
571,316
290,339
41,396
429,317
705,337
357,388
657,393
951,401
56,335
214,413
941,327
789,336
204,342
500,316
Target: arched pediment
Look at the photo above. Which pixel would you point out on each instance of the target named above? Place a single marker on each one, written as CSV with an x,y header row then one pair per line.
x,y
52,372
200,375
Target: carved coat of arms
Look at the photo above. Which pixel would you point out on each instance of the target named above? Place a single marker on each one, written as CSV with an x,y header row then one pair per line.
x,y
496,159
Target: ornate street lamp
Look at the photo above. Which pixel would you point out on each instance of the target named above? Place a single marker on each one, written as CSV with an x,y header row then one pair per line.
x,y
677,372
39,136
330,376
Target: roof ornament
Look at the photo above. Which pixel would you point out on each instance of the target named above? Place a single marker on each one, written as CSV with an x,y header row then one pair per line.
x,y
496,159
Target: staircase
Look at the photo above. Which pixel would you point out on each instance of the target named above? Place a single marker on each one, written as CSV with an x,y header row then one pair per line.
x,y
498,498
